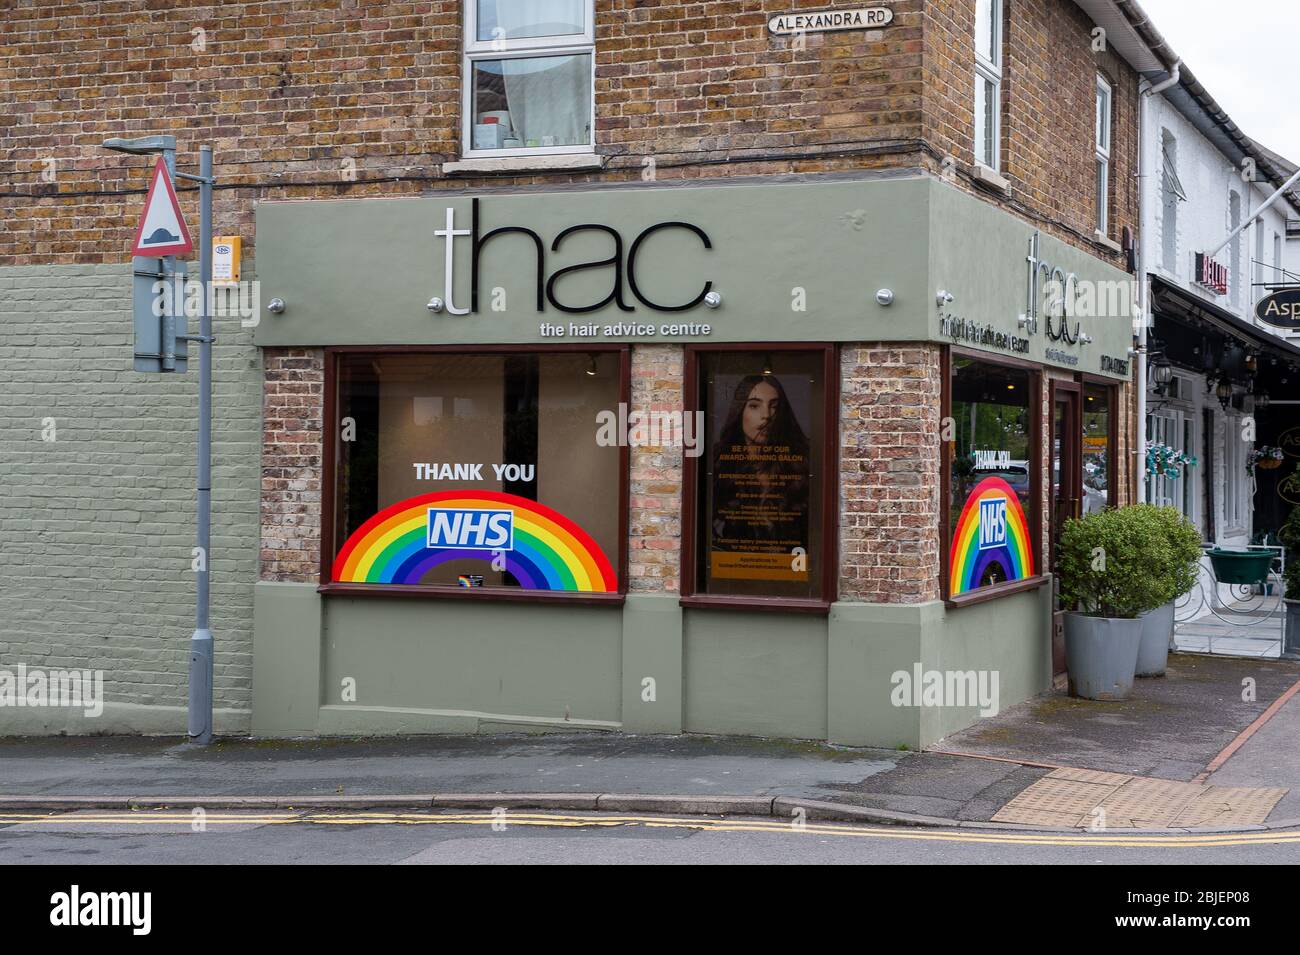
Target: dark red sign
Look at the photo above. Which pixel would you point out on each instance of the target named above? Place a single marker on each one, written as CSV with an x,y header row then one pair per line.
x,y
1211,274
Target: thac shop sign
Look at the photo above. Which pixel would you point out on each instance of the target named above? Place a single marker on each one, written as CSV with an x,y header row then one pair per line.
x,y
861,18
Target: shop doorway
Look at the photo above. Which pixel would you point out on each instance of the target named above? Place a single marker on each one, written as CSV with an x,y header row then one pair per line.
x,y
1066,491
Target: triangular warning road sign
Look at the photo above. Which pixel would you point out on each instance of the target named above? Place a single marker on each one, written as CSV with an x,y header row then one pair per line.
x,y
162,227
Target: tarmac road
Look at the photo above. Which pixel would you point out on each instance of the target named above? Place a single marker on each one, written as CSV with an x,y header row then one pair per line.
x,y
379,837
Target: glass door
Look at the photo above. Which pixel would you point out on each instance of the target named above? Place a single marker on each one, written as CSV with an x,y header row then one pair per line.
x,y
1067,489
1067,465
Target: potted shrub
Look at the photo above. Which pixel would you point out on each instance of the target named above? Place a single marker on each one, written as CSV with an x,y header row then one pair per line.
x,y
1179,576
1289,534
1108,563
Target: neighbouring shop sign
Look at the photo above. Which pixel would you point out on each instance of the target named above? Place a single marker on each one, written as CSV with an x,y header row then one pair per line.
x,y
1289,442
862,18
1288,489
1211,274
1281,309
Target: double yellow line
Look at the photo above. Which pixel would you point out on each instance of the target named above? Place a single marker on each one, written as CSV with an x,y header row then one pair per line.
x,y
188,819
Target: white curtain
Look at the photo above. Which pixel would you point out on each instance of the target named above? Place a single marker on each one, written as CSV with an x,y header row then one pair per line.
x,y
547,96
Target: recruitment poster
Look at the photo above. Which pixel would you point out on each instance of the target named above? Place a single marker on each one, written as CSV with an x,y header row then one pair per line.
x,y
761,470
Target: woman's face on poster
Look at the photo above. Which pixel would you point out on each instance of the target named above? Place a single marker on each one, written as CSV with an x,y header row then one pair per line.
x,y
760,411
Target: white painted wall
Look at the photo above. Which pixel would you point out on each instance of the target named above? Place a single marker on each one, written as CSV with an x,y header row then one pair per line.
x,y
1201,223
1204,220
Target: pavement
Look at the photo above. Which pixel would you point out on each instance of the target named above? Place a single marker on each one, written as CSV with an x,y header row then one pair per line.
x,y
1212,721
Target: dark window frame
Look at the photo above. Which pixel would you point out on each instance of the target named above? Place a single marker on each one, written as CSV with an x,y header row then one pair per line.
x,y
329,471
690,597
1036,479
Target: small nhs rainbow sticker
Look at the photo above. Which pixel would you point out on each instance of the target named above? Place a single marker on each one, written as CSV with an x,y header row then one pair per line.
x,y
471,528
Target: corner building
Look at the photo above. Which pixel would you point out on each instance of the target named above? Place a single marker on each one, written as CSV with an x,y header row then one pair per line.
x,y
649,367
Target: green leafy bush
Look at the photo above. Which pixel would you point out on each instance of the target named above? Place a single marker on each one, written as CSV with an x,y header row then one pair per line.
x,y
1184,550
1289,534
1117,563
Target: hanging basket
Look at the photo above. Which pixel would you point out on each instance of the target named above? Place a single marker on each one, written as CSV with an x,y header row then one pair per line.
x,y
1268,464
1241,566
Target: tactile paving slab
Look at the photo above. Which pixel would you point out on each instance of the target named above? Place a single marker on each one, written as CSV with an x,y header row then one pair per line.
x,y
1086,798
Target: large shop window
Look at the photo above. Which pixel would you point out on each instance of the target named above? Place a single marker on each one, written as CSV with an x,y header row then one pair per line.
x,y
993,475
528,75
455,470
762,511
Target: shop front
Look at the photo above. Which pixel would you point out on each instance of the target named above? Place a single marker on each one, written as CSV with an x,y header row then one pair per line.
x,y
775,458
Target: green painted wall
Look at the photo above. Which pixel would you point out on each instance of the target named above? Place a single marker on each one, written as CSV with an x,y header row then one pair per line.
x,y
447,667
754,674
473,662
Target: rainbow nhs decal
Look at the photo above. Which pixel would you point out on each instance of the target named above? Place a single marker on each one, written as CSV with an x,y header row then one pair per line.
x,y
471,528
543,549
991,541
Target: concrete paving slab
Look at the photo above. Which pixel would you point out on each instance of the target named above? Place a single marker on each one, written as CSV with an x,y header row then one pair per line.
x,y
1170,728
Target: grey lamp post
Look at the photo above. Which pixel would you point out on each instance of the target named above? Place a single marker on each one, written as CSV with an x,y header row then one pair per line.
x,y
200,695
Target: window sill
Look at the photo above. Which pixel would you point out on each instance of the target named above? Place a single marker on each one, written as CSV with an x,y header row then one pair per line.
x,y
1105,241
504,165
488,594
985,594
778,604
990,179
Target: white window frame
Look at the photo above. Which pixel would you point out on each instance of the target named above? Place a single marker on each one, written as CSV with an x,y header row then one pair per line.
x,y
990,71
503,49
1104,108
1235,272
1235,476
1177,424
1171,193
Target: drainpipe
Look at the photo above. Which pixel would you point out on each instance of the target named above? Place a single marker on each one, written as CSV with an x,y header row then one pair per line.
x,y
1145,198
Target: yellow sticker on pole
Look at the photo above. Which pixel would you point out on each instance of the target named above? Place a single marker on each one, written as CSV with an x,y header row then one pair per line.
x,y
225,260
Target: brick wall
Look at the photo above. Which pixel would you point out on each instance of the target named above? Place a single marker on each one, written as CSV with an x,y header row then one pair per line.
x,y
331,98
292,458
97,525
890,406
288,91
655,503
1048,115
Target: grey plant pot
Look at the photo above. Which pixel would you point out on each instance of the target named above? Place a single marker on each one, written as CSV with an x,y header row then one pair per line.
x,y
1101,654
1157,629
1291,640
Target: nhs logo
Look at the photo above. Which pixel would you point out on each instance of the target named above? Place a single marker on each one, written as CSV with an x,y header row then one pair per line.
x,y
993,523
471,528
